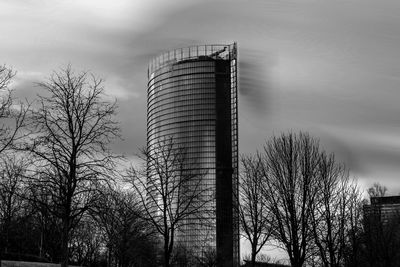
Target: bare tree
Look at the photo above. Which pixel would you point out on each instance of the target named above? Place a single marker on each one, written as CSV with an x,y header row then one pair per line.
x,y
255,221
186,255
208,259
6,74
171,191
291,187
44,220
377,190
129,239
12,116
72,127
354,226
87,242
12,204
331,212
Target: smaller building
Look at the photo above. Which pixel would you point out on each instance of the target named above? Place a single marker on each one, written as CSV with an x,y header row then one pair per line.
x,y
382,232
383,209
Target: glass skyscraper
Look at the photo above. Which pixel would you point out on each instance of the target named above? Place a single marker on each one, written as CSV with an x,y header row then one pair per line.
x,y
192,98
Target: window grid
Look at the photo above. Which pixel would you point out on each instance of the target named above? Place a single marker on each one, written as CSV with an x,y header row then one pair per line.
x,y
181,103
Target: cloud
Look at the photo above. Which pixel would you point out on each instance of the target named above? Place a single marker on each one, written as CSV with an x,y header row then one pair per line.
x,y
327,67
256,87
370,153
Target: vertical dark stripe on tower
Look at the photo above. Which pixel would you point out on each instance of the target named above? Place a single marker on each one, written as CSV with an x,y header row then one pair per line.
x,y
224,169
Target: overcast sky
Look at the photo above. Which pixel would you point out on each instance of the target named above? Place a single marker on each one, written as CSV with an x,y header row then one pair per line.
x,y
329,67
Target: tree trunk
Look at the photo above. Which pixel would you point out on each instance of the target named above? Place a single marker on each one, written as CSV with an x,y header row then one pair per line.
x,y
64,243
166,259
296,262
253,255
166,251
109,257
7,238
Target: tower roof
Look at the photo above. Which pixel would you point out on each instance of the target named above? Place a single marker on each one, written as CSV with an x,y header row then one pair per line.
x,y
213,51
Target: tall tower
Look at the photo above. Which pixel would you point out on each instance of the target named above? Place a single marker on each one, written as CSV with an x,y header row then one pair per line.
x,y
192,97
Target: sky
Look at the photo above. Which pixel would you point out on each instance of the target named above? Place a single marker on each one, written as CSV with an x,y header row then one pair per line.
x,y
331,67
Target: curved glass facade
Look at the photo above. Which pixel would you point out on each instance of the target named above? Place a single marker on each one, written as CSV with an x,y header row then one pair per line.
x,y
192,98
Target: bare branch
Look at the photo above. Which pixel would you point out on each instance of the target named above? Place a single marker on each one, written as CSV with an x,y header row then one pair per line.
x,y
71,130
290,188
12,115
255,219
171,190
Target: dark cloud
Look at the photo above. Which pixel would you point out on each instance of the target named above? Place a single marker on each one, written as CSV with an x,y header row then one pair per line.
x,y
330,68
255,84
338,144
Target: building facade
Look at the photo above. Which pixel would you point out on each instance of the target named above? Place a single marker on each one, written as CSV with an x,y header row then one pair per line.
x,y
383,209
381,235
192,98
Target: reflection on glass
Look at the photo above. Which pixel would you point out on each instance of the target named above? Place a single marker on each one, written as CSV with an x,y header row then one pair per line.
x,y
184,101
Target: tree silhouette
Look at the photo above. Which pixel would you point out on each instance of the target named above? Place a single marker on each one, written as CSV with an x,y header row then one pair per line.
x,y
330,216
129,239
377,190
255,221
171,191
290,191
12,116
71,129
13,206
